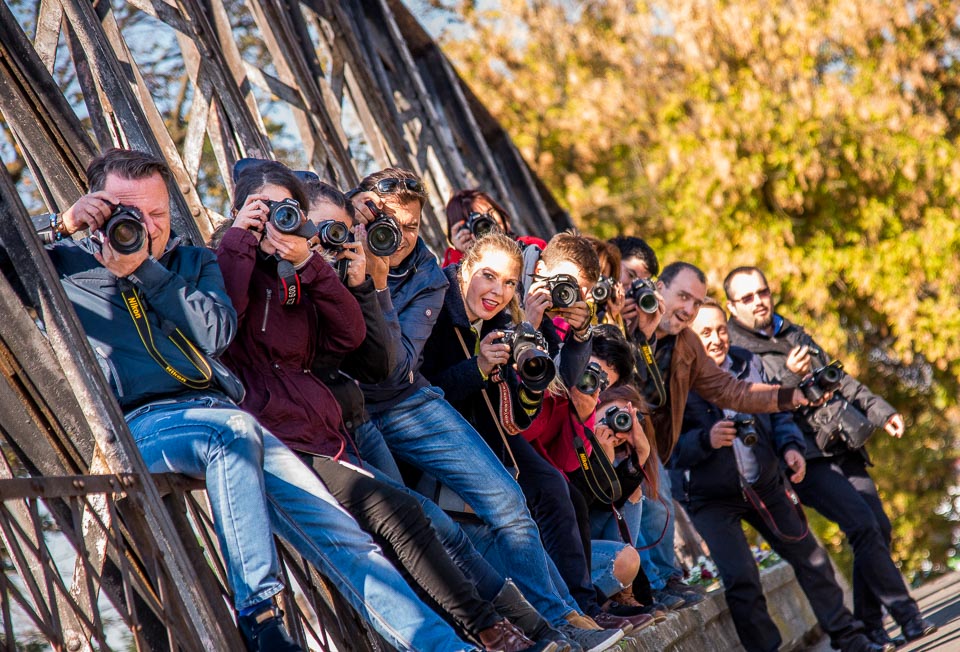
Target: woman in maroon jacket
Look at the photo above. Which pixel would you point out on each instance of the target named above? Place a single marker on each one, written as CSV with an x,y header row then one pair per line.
x,y
275,347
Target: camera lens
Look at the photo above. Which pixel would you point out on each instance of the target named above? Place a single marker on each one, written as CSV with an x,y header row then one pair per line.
x,y
601,292
830,376
648,303
286,217
564,295
536,369
383,237
333,233
481,226
125,231
621,422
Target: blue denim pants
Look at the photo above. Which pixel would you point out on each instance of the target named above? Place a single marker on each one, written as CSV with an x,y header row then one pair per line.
x,y
428,433
607,543
659,561
254,482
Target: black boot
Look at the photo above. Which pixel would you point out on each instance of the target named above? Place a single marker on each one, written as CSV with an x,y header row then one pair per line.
x,y
263,631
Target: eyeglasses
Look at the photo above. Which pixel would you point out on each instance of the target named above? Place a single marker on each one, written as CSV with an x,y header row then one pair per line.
x,y
747,299
391,185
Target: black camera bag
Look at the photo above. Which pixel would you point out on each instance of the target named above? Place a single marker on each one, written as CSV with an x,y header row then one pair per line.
x,y
853,429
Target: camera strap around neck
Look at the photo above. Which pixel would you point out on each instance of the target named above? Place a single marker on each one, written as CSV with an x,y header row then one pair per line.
x,y
289,282
504,401
653,375
598,472
138,313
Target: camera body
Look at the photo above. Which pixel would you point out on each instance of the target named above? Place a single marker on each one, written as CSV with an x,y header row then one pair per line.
x,y
593,380
528,349
287,217
644,293
564,290
125,229
617,419
825,379
480,224
746,429
603,290
383,233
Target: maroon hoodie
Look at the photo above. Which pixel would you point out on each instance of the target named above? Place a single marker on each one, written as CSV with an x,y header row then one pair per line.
x,y
276,344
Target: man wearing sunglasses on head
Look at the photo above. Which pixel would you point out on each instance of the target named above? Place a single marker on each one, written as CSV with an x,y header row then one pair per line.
x,y
837,483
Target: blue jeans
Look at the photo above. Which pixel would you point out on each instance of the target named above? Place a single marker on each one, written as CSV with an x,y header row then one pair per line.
x,y
602,555
427,432
254,481
658,562
603,524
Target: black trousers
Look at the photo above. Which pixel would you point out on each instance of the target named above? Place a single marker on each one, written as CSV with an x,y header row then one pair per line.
x,y
718,522
554,505
840,488
396,521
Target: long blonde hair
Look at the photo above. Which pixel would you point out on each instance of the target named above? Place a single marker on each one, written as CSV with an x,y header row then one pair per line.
x,y
494,241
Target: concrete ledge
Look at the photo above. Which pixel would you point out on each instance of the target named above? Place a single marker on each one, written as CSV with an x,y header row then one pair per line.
x,y
708,626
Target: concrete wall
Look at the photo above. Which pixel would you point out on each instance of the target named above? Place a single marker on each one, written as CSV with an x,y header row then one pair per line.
x,y
708,627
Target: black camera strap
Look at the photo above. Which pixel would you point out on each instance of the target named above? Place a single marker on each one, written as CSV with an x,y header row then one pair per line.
x,y
139,315
653,375
598,472
289,282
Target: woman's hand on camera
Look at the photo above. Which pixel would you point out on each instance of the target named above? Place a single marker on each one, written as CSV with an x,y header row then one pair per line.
x,y
637,437
608,440
462,238
615,302
289,247
536,303
492,353
356,259
253,215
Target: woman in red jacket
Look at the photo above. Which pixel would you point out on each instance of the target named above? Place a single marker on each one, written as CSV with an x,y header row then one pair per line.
x,y
468,208
277,341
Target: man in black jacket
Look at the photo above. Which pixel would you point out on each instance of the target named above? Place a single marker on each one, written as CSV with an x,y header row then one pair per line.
x,y
837,483
726,479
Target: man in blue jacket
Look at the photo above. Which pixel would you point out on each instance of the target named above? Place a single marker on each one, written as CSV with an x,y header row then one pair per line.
x,y
156,318
410,419
727,478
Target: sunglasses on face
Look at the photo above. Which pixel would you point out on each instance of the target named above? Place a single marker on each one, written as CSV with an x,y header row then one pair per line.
x,y
393,185
747,299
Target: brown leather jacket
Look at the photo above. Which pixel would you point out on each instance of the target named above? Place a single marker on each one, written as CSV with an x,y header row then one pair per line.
x,y
692,368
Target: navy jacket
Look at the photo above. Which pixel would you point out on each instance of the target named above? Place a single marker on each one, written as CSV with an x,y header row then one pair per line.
x,y
417,286
183,289
713,471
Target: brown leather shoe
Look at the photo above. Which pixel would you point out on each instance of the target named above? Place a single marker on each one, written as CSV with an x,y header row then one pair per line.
x,y
504,636
609,621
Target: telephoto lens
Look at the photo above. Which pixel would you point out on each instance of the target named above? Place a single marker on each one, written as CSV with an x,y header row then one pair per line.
x,y
617,420
564,290
644,292
746,431
125,230
528,349
823,380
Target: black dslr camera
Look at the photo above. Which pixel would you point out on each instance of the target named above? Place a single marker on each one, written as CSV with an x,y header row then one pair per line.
x,y
644,293
823,380
564,290
593,380
287,217
125,230
603,290
746,432
480,224
383,234
617,420
528,350
333,235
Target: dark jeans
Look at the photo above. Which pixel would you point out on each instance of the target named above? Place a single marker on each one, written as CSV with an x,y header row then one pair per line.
x,y
551,500
718,522
840,488
397,522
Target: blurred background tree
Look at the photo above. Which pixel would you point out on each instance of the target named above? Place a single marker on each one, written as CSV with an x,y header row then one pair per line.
x,y
814,138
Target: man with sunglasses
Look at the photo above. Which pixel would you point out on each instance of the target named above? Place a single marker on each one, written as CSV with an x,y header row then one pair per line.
x,y
410,419
837,483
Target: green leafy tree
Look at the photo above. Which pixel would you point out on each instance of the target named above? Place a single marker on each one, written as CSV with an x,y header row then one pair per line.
x,y
814,138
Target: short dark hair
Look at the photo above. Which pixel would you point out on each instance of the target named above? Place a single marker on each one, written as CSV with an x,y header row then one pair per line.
x,y
670,272
634,247
127,164
404,194
611,346
745,269
319,191
573,247
461,202
257,175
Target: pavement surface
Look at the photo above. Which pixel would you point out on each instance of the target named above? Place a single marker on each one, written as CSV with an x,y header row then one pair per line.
x,y
939,601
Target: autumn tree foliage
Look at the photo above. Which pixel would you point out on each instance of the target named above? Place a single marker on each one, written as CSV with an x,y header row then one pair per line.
x,y
814,138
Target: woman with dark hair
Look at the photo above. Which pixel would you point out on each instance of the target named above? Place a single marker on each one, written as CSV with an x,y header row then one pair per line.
x,y
274,351
608,292
469,207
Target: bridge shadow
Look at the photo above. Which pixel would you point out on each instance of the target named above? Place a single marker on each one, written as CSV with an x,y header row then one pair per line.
x,y
941,606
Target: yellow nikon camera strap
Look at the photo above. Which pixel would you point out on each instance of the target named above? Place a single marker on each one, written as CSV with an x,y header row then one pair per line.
x,y
139,315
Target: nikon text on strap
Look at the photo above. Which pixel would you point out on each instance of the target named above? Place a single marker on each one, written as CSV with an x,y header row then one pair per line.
x,y
598,471
139,314
653,374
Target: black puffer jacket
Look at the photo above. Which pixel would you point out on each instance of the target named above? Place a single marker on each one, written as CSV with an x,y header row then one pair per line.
x,y
700,472
773,352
